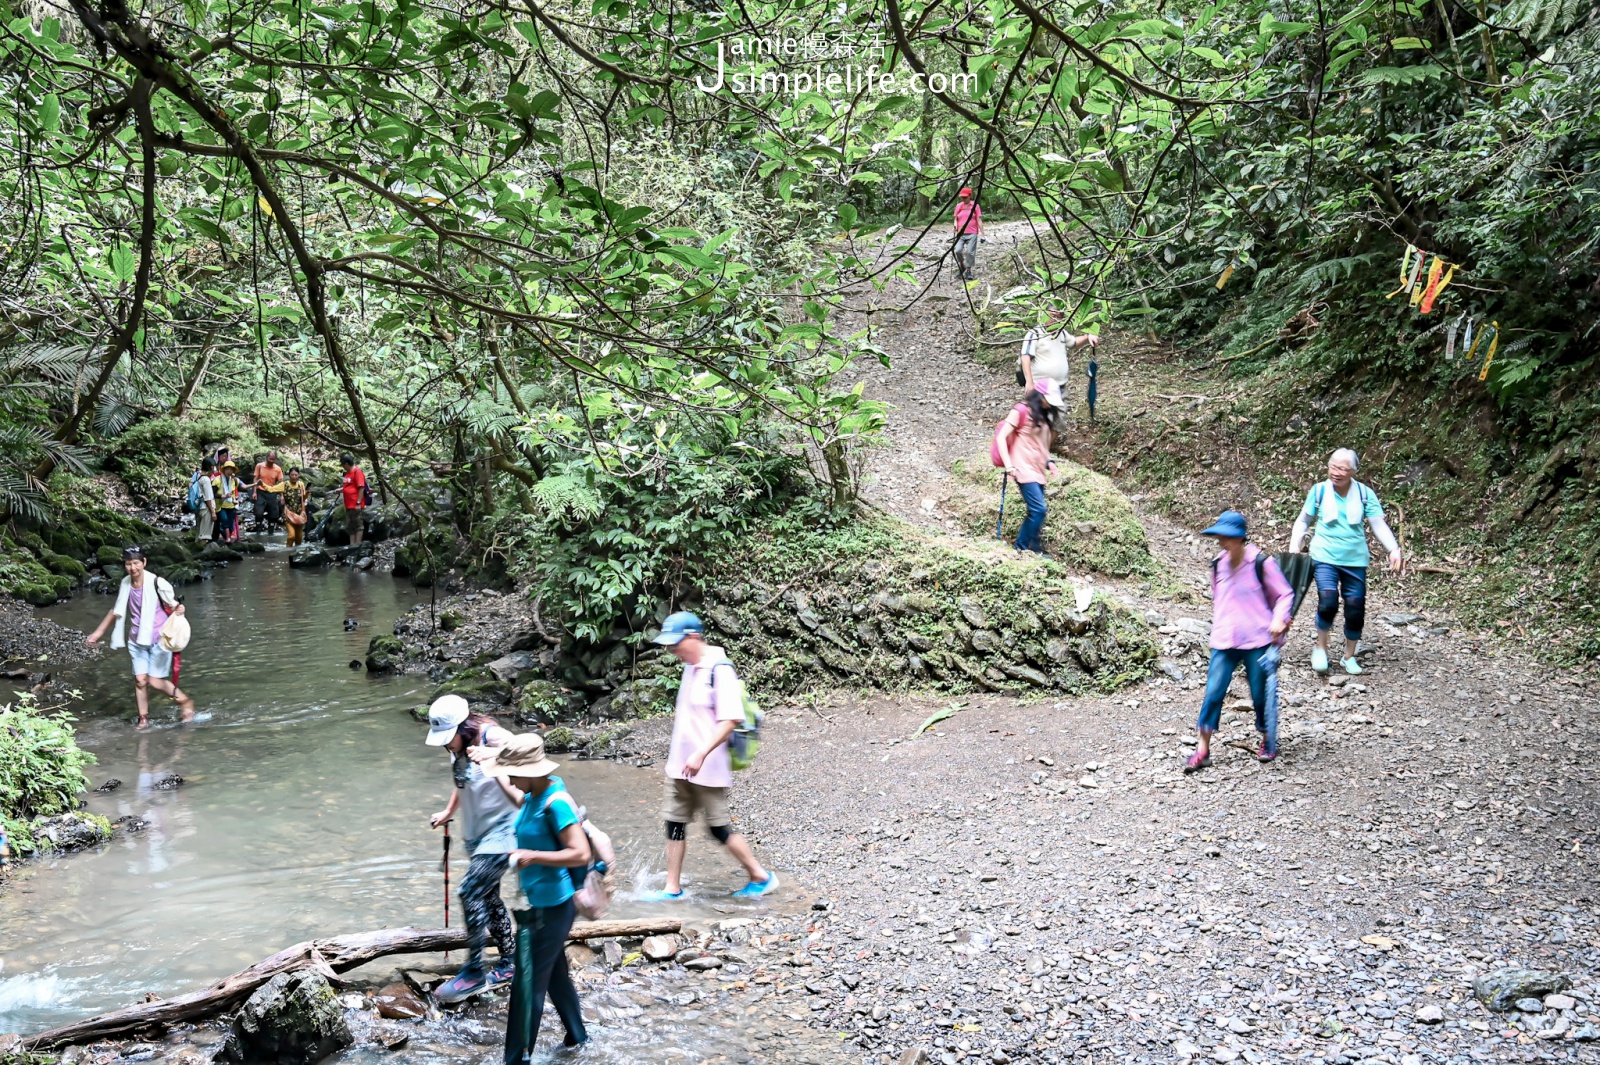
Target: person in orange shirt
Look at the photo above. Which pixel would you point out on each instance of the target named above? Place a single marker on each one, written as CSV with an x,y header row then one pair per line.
x,y
267,492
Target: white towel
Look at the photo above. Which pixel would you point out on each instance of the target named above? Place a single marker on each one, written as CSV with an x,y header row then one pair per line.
x,y
1354,512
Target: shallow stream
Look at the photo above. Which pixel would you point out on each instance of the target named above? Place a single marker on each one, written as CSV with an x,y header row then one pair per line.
x,y
303,813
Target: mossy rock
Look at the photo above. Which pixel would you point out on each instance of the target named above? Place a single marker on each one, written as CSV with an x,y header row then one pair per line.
x,y
451,620
106,555
37,594
560,739
385,654
1090,524
476,685
182,573
249,547
64,566
165,553
114,574
542,701
214,553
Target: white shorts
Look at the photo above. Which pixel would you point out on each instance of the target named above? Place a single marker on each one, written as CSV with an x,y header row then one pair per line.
x,y
150,661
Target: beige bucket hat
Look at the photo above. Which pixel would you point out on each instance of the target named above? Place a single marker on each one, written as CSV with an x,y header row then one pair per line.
x,y
520,756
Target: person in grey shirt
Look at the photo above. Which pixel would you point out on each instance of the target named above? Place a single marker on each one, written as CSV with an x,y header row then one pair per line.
x,y
489,825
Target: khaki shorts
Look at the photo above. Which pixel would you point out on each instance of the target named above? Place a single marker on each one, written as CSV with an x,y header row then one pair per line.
x,y
684,798
352,519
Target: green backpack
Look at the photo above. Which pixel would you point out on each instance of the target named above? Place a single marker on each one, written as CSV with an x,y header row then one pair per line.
x,y
745,742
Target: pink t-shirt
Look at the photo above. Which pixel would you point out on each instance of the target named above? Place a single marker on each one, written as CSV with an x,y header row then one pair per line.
x,y
136,615
701,709
1240,616
969,216
1029,447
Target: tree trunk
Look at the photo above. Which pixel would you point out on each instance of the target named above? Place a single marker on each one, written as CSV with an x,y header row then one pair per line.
x,y
193,383
336,955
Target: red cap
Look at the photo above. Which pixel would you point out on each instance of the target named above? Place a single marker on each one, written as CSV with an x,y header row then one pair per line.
x,y
966,192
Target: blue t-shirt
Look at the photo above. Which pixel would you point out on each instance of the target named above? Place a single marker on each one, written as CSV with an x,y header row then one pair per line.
x,y
1340,538
537,830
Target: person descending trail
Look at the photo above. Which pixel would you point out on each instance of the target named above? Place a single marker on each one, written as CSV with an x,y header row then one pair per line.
x,y
1045,350
144,602
968,231
549,842
699,769
1250,604
1341,507
1022,442
488,817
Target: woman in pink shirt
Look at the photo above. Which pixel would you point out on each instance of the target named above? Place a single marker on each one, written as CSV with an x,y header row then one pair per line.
x,y
1250,611
1023,441
969,229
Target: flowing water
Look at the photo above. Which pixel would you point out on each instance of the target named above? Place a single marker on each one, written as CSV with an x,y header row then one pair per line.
x,y
303,812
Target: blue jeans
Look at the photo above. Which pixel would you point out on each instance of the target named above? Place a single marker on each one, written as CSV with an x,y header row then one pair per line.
x,y
1348,583
541,970
1261,670
967,254
1033,524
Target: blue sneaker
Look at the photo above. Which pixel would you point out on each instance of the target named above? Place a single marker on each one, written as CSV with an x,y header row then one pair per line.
x,y
461,987
754,890
500,976
661,896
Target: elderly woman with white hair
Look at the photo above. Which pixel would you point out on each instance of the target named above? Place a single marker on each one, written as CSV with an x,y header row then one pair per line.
x,y
1341,507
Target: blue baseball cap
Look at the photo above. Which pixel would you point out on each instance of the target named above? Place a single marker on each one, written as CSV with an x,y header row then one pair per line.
x,y
677,626
1230,524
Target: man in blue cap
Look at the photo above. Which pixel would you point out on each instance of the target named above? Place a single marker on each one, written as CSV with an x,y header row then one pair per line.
x,y
1251,605
699,771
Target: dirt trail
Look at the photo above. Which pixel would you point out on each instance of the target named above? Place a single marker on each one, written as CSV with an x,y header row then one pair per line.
x,y
1040,882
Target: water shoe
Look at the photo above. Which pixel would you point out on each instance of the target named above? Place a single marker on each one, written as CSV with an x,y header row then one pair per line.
x,y
754,890
1319,660
1352,667
661,896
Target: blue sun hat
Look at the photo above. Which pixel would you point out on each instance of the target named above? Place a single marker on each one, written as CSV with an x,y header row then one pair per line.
x,y
1230,524
677,626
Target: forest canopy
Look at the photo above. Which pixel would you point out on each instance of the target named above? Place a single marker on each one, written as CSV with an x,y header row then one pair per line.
x,y
590,257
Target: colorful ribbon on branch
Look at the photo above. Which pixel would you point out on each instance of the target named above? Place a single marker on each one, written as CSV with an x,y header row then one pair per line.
x,y
1438,280
1406,278
1483,374
1423,289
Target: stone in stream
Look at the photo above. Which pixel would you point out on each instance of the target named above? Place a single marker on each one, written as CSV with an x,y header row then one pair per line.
x,y
659,948
306,556
1501,989
111,785
397,1002
384,654
292,1019
509,667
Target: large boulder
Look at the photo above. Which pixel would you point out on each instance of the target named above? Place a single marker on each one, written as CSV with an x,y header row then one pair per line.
x,y
475,685
510,667
71,831
292,1019
1501,989
215,553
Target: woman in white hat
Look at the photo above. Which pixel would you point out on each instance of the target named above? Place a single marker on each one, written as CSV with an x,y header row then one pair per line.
x,y
550,842
488,816
138,618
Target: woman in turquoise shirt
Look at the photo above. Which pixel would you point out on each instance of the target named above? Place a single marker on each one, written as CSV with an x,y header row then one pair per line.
x,y
550,841
1342,508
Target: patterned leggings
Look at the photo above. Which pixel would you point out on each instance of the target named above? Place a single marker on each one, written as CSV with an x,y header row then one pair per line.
x,y
486,913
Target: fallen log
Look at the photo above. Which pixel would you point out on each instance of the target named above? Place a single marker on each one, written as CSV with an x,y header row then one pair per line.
x,y
328,956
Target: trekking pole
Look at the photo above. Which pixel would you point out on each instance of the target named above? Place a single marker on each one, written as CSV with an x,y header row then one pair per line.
x,y
445,865
998,535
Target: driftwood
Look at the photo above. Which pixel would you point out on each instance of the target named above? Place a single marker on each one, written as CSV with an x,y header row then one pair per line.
x,y
328,956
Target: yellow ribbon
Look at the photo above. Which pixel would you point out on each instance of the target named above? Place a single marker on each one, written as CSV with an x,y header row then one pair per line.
x,y
1405,271
1483,374
1223,280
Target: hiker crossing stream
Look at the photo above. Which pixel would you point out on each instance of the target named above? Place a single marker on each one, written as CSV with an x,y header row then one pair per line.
x,y
302,812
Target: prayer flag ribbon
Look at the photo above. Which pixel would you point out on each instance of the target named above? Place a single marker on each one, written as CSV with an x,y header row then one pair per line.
x,y
1223,280
1483,374
1405,271
1436,283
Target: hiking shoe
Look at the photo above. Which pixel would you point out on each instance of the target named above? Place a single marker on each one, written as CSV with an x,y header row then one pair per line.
x,y
661,896
1196,762
754,890
500,976
1319,660
1352,667
1264,755
461,987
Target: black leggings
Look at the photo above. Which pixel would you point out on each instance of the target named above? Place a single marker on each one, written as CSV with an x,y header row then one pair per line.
x,y
542,970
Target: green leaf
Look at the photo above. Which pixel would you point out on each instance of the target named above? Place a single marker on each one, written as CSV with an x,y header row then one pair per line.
x,y
124,264
50,112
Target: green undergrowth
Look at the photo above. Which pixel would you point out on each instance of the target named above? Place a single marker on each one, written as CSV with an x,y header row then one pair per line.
x,y
41,769
41,561
155,457
877,603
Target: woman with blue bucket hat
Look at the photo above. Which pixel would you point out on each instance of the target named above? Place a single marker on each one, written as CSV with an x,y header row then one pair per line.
x,y
1251,605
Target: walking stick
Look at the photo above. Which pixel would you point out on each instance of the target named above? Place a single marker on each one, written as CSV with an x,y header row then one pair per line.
x,y
445,865
998,535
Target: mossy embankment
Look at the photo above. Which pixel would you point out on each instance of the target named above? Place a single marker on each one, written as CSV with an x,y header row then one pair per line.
x,y
41,778
873,604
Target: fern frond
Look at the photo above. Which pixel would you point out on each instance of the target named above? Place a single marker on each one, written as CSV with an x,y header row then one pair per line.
x,y
564,496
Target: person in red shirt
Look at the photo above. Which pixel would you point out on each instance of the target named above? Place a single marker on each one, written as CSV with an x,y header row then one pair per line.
x,y
969,227
354,487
